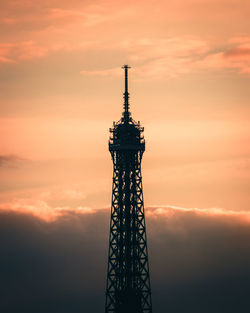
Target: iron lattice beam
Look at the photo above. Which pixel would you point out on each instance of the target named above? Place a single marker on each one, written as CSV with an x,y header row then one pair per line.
x,y
128,282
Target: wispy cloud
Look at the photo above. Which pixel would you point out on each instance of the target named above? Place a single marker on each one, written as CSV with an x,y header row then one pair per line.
x,y
170,210
112,72
176,56
42,210
10,160
20,51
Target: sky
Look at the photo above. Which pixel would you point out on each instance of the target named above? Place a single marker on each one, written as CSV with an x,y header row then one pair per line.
x,y
61,89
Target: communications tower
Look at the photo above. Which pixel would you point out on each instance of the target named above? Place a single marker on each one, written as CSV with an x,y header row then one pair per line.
x,y
128,284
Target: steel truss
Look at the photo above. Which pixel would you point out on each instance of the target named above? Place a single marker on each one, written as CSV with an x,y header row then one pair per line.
x,y
128,283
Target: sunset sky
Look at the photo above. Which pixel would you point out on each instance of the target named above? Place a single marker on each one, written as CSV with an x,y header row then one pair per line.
x,y
61,89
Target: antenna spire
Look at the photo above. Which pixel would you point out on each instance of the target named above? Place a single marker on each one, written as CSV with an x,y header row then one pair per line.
x,y
126,113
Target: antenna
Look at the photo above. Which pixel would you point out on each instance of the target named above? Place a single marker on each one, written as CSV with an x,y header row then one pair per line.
x,y
126,112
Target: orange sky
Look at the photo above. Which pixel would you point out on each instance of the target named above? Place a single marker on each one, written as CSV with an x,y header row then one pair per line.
x,y
61,88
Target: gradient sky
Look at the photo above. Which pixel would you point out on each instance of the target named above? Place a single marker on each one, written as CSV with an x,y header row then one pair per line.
x,y
61,88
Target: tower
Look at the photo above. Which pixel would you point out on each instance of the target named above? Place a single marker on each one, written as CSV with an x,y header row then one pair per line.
x,y
128,284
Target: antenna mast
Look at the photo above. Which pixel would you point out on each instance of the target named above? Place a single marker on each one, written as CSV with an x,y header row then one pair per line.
x,y
126,112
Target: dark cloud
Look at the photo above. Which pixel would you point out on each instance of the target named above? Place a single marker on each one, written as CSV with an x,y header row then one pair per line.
x,y
9,160
198,263
56,267
238,52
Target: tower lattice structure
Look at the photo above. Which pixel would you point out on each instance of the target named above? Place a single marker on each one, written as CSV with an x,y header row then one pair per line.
x,y
128,283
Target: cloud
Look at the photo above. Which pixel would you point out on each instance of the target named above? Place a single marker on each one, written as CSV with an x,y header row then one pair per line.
x,y
6,60
235,56
242,51
239,57
59,201
42,28
8,21
51,267
157,58
44,205
60,266
39,19
172,57
20,51
10,160
112,72
185,55
169,210
42,209
55,28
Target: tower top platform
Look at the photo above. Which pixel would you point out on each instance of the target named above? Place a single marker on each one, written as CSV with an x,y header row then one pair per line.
x,y
126,134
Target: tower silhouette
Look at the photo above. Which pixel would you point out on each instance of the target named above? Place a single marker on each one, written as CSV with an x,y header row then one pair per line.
x,y
128,283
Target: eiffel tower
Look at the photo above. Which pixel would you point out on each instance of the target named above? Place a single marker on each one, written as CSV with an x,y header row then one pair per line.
x,y
128,283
